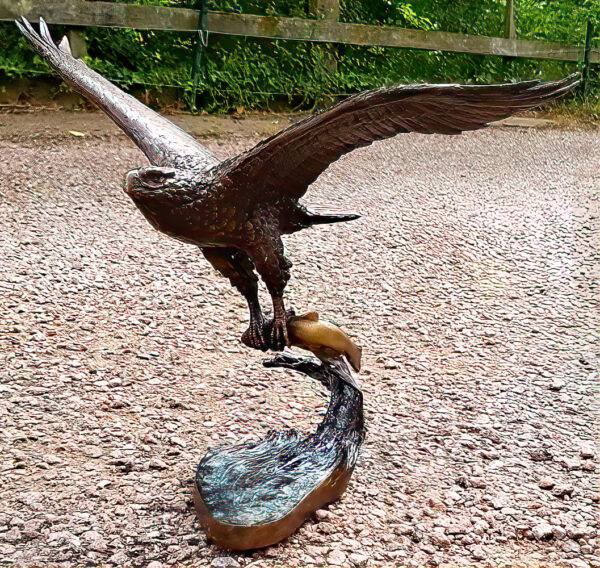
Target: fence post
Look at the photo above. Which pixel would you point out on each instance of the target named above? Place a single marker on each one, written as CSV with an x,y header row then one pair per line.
x,y
325,9
510,32
329,11
587,52
76,39
201,43
509,20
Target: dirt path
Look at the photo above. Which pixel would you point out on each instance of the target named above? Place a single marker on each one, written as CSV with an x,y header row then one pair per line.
x,y
469,281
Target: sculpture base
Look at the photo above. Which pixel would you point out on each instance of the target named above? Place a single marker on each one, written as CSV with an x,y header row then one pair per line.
x,y
264,532
252,495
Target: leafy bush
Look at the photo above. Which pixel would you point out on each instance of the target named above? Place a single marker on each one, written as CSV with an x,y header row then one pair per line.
x,y
260,73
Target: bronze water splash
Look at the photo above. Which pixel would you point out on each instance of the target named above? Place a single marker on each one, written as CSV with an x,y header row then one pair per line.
x,y
254,494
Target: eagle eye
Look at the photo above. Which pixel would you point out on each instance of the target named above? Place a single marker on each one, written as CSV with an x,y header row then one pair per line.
x,y
155,178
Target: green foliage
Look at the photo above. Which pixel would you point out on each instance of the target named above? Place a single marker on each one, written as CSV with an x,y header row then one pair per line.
x,y
261,73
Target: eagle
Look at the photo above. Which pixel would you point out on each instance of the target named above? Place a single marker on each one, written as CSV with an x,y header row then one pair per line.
x,y
237,210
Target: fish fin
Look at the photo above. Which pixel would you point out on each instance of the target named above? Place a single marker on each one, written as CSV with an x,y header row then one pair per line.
x,y
310,316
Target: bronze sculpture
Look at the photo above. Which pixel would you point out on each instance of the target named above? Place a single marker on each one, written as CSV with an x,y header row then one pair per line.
x,y
237,210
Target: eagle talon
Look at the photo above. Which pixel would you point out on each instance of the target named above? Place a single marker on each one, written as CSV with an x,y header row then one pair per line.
x,y
264,335
254,337
278,338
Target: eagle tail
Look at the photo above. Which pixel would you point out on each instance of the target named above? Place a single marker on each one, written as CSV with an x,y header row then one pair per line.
x,y
322,215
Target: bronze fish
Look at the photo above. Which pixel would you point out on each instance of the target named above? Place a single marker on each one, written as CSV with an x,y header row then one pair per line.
x,y
324,339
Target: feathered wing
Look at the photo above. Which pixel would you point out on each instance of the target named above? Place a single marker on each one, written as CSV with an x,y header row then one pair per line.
x,y
163,143
287,163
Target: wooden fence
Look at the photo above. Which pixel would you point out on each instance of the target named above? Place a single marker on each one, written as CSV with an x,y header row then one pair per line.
x,y
323,26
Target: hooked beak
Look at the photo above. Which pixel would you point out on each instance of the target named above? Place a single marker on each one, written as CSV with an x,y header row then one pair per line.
x,y
131,182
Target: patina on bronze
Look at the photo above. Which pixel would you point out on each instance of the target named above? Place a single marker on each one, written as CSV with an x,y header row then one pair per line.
x,y
237,210
252,495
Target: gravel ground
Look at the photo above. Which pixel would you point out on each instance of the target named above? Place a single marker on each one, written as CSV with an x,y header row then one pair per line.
x,y
469,282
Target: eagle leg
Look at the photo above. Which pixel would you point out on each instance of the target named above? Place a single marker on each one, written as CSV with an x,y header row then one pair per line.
x,y
274,269
237,266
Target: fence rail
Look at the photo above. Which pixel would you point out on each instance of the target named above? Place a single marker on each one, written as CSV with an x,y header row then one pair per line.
x,y
325,27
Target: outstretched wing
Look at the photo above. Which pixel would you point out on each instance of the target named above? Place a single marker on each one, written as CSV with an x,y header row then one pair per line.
x,y
287,163
163,143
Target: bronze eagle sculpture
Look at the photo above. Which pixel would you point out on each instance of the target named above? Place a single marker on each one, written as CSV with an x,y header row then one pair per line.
x,y
237,210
